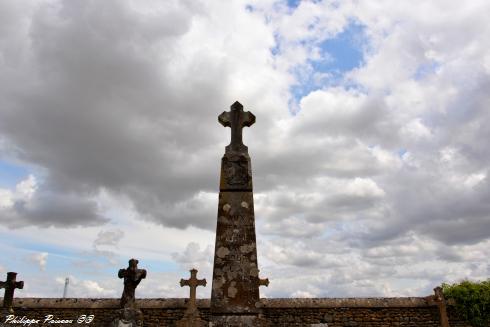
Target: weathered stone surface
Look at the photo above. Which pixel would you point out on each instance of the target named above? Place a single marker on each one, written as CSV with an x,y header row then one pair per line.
x,y
236,275
277,303
128,317
10,285
236,119
132,277
236,172
236,279
373,302
238,321
371,312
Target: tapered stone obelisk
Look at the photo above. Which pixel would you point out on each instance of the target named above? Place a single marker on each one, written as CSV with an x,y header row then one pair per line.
x,y
235,297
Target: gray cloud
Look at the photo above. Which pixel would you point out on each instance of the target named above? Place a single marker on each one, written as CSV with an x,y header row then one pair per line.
x,y
97,114
53,209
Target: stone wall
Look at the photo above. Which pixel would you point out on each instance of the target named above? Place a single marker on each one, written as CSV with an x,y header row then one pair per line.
x,y
369,312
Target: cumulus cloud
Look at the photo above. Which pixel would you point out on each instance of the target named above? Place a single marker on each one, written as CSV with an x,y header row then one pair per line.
x,y
109,237
87,288
194,258
106,244
40,259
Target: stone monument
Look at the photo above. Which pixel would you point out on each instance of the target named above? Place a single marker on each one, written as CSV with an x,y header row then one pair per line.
x,y
191,316
10,285
129,315
235,299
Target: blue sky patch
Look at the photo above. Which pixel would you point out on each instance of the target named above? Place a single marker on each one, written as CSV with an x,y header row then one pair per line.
x,y
426,69
401,152
11,174
293,3
342,53
338,55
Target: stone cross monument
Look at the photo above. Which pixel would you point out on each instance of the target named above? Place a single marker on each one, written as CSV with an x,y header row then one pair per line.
x,y
235,297
132,277
129,315
191,316
10,285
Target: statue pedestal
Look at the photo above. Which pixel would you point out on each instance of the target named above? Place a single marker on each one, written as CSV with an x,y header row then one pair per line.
x,y
128,317
238,321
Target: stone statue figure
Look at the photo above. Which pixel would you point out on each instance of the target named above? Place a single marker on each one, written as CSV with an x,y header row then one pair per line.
x,y
132,277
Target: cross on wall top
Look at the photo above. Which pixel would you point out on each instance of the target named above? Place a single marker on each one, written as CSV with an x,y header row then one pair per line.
x,y
236,119
10,285
193,283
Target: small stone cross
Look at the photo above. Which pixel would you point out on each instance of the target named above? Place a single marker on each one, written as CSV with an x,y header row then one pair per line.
x,y
10,285
132,277
236,119
193,283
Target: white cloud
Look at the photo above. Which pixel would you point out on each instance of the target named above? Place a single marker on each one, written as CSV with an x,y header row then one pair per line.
x,y
109,237
194,257
6,199
23,192
87,288
40,259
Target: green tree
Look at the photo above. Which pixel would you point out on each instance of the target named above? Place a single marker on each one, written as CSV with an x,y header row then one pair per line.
x,y
472,300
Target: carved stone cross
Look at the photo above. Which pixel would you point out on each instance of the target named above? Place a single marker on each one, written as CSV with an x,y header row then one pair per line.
x,y
193,283
10,285
132,277
236,119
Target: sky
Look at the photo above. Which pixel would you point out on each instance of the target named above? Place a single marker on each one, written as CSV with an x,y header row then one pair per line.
x,y
369,153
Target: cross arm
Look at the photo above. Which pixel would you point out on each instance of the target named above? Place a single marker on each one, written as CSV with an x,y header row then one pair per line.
x,y
248,118
224,119
121,273
3,284
141,274
19,285
201,282
184,282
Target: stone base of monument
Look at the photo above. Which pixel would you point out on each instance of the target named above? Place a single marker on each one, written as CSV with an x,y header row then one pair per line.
x,y
128,317
238,320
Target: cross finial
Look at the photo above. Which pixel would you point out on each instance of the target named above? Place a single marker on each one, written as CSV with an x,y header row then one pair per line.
x,y
236,119
193,283
10,285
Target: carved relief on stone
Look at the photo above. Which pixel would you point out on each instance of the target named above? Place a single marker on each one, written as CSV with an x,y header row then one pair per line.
x,y
235,172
